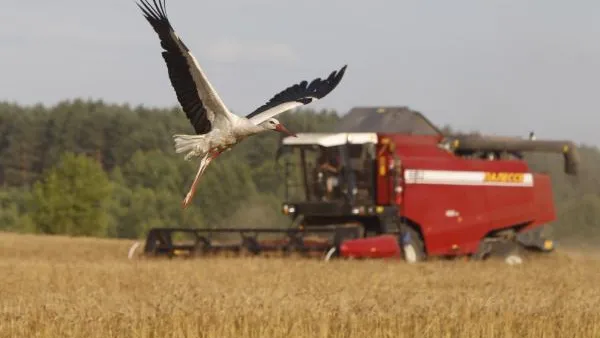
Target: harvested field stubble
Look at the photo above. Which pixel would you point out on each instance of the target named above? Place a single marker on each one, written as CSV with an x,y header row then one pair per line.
x,y
60,287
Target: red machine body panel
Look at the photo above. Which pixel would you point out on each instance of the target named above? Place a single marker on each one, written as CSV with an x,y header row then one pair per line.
x,y
457,201
384,246
543,202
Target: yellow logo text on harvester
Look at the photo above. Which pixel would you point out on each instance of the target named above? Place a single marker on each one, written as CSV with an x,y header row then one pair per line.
x,y
504,177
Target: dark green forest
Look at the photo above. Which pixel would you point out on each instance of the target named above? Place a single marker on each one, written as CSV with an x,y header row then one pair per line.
x,y
85,167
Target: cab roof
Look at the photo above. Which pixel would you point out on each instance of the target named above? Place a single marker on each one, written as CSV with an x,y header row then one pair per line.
x,y
330,139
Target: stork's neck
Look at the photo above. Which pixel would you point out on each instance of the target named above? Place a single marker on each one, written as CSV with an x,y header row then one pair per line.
x,y
247,128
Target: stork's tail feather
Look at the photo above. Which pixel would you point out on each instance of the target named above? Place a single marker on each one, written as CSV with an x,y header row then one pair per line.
x,y
192,144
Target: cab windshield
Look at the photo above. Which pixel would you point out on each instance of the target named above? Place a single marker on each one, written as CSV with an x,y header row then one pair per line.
x,y
343,173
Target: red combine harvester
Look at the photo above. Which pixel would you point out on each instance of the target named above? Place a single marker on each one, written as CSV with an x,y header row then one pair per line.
x,y
388,183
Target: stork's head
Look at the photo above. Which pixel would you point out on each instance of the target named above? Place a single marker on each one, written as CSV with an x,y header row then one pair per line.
x,y
273,124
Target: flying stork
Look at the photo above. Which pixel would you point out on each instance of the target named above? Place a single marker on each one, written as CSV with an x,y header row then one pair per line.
x,y
217,129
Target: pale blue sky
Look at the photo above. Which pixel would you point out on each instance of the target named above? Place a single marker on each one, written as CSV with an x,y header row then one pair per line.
x,y
502,67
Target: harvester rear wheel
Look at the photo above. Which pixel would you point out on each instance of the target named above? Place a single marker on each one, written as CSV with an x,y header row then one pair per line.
x,y
509,250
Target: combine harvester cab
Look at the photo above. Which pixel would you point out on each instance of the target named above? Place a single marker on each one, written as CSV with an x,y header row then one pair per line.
x,y
413,192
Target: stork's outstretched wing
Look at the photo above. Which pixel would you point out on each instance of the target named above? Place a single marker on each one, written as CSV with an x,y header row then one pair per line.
x,y
297,95
195,94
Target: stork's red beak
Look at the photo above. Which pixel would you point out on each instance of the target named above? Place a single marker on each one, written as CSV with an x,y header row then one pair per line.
x,y
280,128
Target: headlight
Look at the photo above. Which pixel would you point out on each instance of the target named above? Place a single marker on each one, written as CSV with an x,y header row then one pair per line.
x,y
288,209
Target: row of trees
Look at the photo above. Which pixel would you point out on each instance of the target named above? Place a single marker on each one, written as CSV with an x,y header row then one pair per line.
x,y
91,168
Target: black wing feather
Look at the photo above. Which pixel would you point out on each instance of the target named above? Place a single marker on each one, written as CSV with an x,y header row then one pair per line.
x,y
177,66
303,92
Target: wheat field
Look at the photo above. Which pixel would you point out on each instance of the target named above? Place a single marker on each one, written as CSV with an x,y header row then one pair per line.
x,y
64,287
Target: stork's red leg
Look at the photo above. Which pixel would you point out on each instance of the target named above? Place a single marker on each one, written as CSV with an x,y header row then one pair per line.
x,y
201,168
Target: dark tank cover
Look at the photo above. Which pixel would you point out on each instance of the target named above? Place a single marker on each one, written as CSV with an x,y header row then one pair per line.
x,y
393,119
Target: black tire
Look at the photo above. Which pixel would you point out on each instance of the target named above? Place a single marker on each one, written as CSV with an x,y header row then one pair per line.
x,y
510,251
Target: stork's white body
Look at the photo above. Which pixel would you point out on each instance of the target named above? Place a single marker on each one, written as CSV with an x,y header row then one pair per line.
x,y
216,127
222,137
209,146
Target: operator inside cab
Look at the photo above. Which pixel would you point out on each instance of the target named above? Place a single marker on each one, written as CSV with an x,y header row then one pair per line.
x,y
329,165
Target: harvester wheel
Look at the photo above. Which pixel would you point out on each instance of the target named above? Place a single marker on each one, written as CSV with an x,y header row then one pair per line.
x,y
497,248
412,245
509,251
513,259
